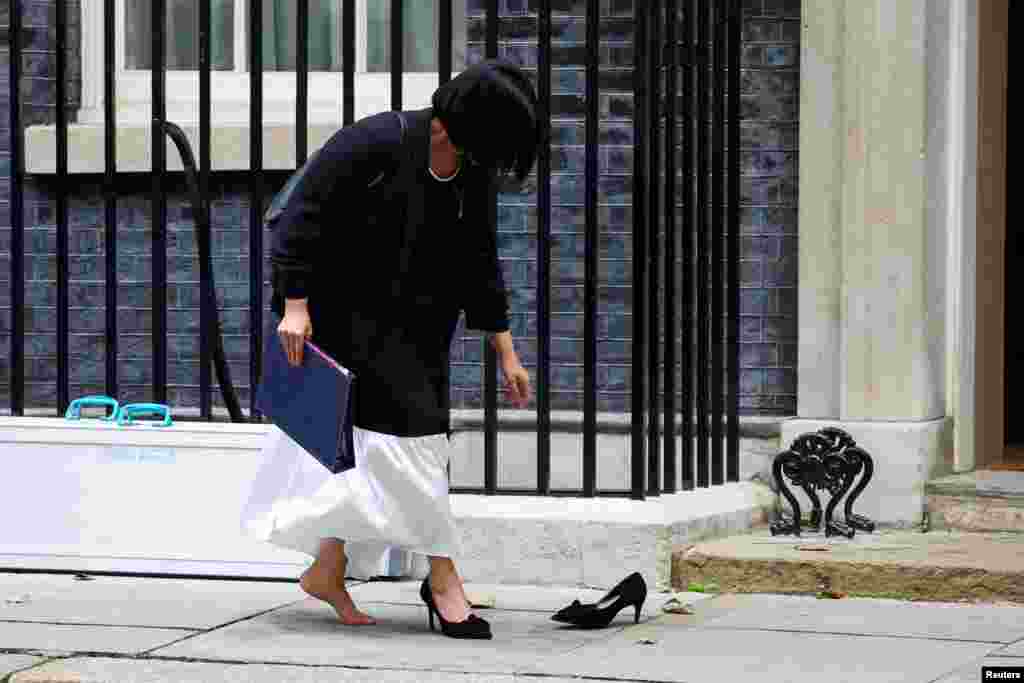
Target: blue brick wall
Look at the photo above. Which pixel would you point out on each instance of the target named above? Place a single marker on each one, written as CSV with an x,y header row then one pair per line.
x,y
769,108
769,101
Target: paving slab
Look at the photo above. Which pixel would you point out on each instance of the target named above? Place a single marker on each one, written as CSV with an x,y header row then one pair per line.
x,y
84,638
1012,650
698,655
971,673
309,633
156,671
11,663
869,617
116,601
546,600
938,566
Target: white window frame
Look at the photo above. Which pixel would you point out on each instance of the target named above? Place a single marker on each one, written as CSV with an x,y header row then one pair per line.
x,y
231,88
229,104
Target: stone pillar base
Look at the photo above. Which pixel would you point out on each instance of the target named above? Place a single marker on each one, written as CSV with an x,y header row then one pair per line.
x,y
906,456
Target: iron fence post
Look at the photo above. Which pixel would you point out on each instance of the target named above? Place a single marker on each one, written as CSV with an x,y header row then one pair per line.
x,y
544,255
110,194
302,83
671,239
444,41
653,66
703,228
159,201
733,382
717,243
638,405
348,57
686,317
17,353
590,279
63,331
256,190
490,356
397,54
205,43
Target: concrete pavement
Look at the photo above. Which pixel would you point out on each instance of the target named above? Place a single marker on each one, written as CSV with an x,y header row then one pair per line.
x,y
56,629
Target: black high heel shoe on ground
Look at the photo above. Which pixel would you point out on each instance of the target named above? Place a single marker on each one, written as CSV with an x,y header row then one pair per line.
x,y
472,628
632,591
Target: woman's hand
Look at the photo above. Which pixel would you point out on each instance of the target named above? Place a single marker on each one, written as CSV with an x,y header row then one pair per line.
x,y
517,381
295,329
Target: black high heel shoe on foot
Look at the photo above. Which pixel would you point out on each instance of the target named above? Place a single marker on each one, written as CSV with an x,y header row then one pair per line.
x,y
472,628
632,591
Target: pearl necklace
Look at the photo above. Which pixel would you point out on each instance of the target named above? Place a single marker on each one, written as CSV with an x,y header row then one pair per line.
x,y
450,178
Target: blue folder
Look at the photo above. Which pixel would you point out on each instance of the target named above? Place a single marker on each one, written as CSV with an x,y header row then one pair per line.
x,y
311,403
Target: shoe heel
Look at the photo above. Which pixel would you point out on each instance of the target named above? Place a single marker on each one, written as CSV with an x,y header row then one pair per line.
x,y
430,612
636,615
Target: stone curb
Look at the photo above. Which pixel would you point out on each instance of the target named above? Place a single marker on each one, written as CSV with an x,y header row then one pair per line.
x,y
875,579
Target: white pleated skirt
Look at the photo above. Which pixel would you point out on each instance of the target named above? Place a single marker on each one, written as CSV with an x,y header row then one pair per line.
x,y
395,497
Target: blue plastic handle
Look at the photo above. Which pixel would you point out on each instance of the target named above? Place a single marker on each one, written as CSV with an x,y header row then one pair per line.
x,y
136,409
74,411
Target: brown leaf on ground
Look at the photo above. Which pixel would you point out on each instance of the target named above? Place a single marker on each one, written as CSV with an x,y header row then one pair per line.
x,y
480,600
676,606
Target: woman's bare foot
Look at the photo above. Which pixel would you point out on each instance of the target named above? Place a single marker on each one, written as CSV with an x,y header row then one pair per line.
x,y
325,580
318,584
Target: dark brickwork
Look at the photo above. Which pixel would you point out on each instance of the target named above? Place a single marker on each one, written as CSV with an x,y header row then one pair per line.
x,y
770,98
39,67
769,108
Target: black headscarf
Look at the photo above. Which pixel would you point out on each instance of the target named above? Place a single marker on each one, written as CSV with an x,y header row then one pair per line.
x,y
490,110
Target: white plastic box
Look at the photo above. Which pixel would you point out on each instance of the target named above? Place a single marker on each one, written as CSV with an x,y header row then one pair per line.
x,y
88,495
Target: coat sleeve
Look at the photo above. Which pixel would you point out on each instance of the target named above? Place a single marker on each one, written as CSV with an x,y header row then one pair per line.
x,y
486,301
346,163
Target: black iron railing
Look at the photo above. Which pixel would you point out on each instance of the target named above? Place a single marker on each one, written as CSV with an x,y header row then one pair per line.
x,y
685,238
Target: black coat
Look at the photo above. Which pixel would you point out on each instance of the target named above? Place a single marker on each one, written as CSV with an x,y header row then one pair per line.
x,y
386,283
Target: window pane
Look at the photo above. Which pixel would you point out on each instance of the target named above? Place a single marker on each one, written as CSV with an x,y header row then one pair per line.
x,y
280,33
182,35
419,30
